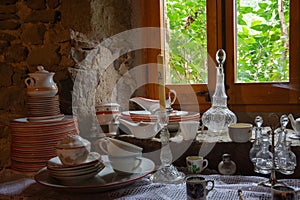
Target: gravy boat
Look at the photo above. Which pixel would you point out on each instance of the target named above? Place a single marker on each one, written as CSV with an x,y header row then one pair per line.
x,y
153,105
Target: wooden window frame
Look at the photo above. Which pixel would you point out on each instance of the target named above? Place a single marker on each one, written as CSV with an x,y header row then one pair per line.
x,y
253,97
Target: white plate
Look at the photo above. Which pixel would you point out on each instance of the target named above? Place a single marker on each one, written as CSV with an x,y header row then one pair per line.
x,y
107,179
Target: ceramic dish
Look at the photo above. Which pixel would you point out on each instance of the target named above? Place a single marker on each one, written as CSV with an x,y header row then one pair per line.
x,y
106,179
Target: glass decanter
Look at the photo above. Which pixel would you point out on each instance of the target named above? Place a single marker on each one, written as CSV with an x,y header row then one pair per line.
x,y
281,142
287,160
264,158
256,147
218,117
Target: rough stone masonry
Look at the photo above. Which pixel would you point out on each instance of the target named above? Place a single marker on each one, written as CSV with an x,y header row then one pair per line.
x,y
38,32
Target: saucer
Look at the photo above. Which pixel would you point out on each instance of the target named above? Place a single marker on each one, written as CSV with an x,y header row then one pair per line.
x,y
55,163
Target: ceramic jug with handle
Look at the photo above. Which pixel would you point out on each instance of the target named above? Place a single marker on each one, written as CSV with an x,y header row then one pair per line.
x,y
40,83
295,123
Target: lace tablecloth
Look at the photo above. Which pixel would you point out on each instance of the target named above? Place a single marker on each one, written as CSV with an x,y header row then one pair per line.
x,y
18,186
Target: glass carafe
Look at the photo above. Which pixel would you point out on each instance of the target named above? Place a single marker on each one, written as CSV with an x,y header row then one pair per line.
x,y
218,117
264,158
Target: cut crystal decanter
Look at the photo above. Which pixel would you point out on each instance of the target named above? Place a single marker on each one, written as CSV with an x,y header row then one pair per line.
x,y
218,117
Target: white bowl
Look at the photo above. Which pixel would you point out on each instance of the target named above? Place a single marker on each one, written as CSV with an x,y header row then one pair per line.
x,y
240,132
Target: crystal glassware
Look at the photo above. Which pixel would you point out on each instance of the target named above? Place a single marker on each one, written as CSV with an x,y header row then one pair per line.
x,y
218,117
264,158
167,173
287,160
256,147
281,142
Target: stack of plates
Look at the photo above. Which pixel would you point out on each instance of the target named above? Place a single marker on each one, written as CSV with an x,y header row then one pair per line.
x,y
146,116
43,108
33,143
69,175
174,118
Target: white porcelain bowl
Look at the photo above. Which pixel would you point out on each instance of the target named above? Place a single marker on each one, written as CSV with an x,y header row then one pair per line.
x,y
240,132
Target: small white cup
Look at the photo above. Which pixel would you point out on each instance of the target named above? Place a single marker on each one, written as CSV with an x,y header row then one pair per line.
x,y
196,164
188,129
118,148
128,164
240,132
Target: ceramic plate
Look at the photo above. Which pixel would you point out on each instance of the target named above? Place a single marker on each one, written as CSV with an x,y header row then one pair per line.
x,y
54,163
107,179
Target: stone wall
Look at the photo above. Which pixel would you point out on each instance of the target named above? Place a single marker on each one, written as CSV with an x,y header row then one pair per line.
x,y
39,32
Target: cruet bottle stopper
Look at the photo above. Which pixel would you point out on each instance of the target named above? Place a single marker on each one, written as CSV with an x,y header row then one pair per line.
x,y
218,117
227,166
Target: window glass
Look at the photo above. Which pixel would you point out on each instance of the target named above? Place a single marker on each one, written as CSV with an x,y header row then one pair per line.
x,y
262,41
187,41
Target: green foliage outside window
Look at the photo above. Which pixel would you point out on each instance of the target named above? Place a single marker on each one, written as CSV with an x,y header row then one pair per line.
x,y
188,43
262,41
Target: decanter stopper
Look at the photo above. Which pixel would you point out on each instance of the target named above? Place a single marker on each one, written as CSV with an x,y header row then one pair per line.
x,y
284,120
258,121
220,57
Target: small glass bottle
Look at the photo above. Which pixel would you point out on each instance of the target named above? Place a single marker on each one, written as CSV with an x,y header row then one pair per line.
x,y
287,160
281,143
227,166
257,143
264,158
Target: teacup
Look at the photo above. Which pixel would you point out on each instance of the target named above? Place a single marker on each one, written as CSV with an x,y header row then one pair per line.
x,y
107,113
126,164
284,193
198,187
118,148
240,132
188,129
73,150
196,164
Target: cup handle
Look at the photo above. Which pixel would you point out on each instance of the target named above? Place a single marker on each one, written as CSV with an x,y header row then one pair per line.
x,y
175,96
139,164
29,82
102,146
205,162
211,186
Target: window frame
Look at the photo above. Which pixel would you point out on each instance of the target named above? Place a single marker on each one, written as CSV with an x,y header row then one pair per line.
x,y
243,97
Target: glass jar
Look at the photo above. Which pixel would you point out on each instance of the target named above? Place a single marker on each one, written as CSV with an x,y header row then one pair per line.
x,y
227,166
